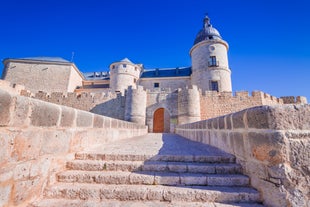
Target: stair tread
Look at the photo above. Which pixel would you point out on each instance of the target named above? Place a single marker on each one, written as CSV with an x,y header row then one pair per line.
x,y
155,157
233,189
116,203
126,173
147,162
153,192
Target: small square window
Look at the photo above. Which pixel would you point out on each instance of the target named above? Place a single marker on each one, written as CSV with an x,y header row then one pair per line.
x,y
156,85
214,86
124,65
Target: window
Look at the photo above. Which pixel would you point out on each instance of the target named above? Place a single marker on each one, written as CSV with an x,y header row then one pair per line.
x,y
213,62
134,80
113,66
124,65
214,86
156,85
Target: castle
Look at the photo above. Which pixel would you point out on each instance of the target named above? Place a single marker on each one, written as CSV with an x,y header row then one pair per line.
x,y
160,98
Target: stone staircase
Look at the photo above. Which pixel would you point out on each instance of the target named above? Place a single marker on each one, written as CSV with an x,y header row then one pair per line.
x,y
168,178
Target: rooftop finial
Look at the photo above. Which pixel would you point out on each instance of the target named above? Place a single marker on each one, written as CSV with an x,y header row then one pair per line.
x,y
206,20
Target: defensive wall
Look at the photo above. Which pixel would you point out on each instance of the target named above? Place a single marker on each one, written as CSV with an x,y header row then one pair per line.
x,y
213,104
272,143
137,105
37,138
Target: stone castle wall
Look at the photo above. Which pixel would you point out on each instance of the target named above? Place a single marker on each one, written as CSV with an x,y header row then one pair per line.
x,y
215,104
103,103
162,98
37,138
180,104
43,76
172,83
272,143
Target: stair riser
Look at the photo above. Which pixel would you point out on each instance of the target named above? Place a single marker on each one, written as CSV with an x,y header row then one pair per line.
x,y
157,179
168,158
160,167
144,194
104,166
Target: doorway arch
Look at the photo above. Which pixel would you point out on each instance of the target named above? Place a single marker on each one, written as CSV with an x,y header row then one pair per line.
x,y
161,121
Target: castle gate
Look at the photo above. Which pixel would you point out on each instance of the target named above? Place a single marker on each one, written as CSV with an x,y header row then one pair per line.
x,y
161,121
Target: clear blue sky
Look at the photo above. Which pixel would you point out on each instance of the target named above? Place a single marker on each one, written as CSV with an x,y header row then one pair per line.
x,y
269,39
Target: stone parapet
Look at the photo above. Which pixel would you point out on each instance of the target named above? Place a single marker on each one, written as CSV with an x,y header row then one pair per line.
x,y
272,144
37,138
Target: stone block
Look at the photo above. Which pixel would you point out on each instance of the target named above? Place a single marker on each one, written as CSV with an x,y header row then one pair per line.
x,y
56,142
193,179
84,119
215,123
229,121
27,145
98,121
22,171
238,144
44,114
142,178
285,117
5,194
257,117
21,115
23,190
6,146
238,119
167,179
107,122
5,108
222,124
267,147
68,117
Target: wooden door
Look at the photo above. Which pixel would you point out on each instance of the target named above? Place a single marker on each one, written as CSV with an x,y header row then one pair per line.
x,y
159,121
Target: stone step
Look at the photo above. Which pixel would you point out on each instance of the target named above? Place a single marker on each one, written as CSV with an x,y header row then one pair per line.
x,y
113,203
170,158
152,193
153,178
157,166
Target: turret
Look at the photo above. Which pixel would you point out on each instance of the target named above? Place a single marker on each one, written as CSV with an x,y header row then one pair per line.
x,y
124,74
188,105
210,69
135,105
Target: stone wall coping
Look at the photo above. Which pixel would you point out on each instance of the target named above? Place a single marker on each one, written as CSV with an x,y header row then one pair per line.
x,y
275,117
17,111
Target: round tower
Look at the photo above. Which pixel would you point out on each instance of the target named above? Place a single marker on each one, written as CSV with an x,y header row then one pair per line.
x,y
210,70
124,74
188,105
135,107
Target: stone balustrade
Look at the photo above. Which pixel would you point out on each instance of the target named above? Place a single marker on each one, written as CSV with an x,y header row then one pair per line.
x,y
272,143
37,138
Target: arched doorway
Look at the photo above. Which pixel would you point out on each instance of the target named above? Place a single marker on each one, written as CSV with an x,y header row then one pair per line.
x,y
161,121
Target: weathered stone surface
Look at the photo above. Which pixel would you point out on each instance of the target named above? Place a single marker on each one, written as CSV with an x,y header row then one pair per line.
x,y
54,142
237,119
21,115
290,117
267,147
5,192
5,104
257,117
68,117
84,119
23,190
98,121
44,114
